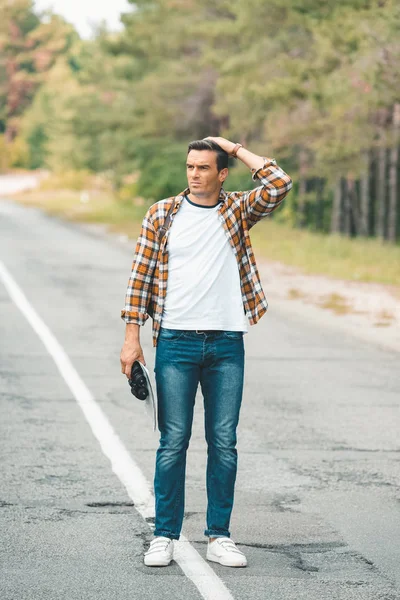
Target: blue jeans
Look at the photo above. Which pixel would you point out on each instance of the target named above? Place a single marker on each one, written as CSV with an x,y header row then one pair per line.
x,y
183,359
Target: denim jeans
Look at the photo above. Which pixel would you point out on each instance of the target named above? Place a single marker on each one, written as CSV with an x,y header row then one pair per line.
x,y
183,359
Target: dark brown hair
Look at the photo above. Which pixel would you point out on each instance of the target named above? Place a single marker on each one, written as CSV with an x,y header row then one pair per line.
x,y
222,156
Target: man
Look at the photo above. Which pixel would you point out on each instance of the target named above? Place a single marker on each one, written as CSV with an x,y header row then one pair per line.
x,y
200,283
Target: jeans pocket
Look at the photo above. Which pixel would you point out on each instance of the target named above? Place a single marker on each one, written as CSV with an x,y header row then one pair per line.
x,y
233,335
170,335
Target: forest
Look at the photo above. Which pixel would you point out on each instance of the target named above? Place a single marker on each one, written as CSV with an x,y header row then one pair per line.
x,y
314,84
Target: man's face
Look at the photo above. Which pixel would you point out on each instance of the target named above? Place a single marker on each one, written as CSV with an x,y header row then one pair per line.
x,y
203,177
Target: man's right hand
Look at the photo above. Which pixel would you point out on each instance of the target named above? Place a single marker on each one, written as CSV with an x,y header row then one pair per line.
x,y
130,352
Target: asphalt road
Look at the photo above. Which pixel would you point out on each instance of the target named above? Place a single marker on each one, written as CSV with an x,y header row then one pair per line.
x,y
317,507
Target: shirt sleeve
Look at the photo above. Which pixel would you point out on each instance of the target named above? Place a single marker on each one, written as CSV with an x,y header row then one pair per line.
x,y
262,200
138,294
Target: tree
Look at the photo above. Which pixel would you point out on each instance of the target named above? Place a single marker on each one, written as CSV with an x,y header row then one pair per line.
x,y
29,48
17,84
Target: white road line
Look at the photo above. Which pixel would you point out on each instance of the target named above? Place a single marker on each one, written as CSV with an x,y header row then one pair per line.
x,y
123,465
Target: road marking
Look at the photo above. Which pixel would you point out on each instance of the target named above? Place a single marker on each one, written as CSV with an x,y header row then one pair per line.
x,y
123,465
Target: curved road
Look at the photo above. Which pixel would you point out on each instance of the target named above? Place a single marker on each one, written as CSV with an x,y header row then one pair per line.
x,y
317,504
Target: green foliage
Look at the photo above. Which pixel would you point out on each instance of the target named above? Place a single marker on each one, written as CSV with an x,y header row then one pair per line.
x,y
4,155
37,139
13,154
28,49
18,153
162,170
239,177
127,192
310,82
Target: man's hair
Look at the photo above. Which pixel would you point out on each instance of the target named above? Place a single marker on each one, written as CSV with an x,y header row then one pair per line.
x,y
222,156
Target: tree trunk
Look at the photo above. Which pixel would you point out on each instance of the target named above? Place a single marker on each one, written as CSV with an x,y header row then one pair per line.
x,y
346,221
12,84
393,176
336,215
351,216
301,209
319,204
365,200
381,185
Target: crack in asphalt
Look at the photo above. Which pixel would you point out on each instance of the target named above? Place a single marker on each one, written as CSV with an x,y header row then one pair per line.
x,y
104,504
312,547
302,565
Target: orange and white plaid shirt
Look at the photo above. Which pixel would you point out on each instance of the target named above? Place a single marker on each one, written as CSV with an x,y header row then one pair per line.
x,y
238,213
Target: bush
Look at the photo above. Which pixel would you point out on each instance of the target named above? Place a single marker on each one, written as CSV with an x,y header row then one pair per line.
x,y
37,140
162,170
127,192
19,153
14,154
68,180
4,158
239,178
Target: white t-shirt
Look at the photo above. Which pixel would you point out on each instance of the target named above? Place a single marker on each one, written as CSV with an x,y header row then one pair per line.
x,y
203,288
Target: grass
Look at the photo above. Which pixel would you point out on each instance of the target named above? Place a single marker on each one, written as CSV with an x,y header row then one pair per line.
x,y
351,259
90,207
336,303
295,294
367,260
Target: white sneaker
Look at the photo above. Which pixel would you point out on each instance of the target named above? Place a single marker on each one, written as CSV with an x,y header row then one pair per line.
x,y
224,551
160,552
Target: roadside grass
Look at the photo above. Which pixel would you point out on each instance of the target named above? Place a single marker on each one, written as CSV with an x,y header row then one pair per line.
x,y
366,260
385,319
295,294
337,304
362,260
87,207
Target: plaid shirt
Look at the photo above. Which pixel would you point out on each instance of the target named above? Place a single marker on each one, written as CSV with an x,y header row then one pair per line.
x,y
238,213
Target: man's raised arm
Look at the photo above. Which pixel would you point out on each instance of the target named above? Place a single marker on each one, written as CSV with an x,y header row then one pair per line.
x,y
275,183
